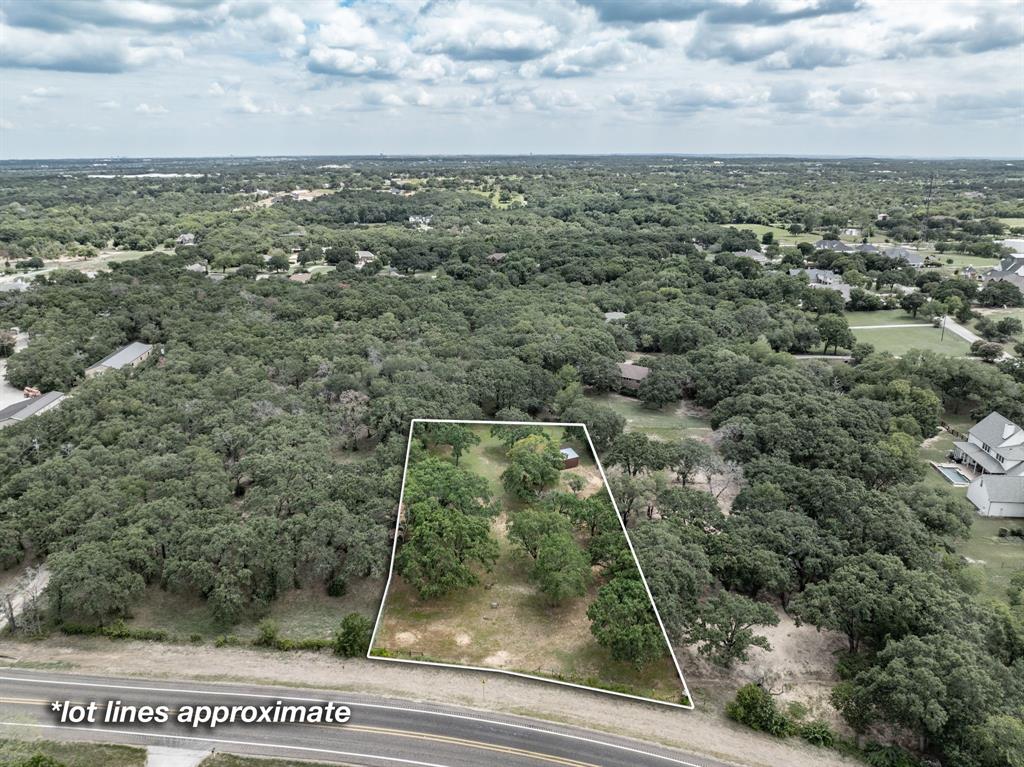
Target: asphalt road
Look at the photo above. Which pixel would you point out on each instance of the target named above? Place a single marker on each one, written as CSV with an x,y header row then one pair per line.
x,y
381,731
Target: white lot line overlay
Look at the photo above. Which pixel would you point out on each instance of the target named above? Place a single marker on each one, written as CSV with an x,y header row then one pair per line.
x,y
604,478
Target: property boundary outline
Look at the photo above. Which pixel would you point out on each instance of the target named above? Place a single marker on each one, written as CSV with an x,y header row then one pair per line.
x,y
522,675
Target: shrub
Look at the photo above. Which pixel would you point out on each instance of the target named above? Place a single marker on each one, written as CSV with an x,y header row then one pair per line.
x,y
818,733
268,634
196,638
353,636
878,755
755,707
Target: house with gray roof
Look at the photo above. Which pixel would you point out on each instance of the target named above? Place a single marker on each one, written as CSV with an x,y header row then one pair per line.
x,y
613,316
364,257
30,406
631,376
836,246
905,255
132,355
824,278
995,449
1010,269
754,255
866,247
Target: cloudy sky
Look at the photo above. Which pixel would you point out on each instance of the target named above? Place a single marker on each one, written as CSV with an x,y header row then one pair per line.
x,y
242,77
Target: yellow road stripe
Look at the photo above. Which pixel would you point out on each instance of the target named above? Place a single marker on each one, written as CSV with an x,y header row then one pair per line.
x,y
446,739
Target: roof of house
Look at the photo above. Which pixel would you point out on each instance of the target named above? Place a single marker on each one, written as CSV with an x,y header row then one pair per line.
x,y
754,254
568,453
837,245
495,257
903,254
609,316
19,411
996,430
1002,489
633,372
365,255
979,456
124,356
300,277
867,247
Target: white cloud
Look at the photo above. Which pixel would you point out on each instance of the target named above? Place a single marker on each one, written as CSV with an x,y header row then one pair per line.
x,y
150,109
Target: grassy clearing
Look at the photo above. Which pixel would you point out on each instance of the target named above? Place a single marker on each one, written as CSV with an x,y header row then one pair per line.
x,y
72,754
301,613
1012,221
503,622
883,317
998,558
782,236
671,422
899,341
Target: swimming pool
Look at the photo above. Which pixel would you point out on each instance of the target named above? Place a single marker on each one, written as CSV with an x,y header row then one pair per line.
x,y
954,475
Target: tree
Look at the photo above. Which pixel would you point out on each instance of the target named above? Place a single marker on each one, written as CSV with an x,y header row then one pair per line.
x,y
989,352
440,547
723,628
1000,293
561,569
658,390
835,332
451,486
530,527
755,707
998,741
460,437
533,463
635,452
278,262
691,455
911,303
91,584
622,620
353,636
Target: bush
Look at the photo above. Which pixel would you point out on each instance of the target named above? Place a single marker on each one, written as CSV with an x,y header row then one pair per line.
x,y
878,755
818,733
353,636
755,707
268,634
226,640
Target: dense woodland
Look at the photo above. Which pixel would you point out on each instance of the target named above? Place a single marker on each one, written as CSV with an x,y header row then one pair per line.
x,y
261,449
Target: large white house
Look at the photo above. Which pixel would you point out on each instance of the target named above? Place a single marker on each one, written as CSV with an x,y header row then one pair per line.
x,y
995,449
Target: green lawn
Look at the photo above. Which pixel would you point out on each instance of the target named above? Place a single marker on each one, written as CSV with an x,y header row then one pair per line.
x,y
671,422
883,317
1012,221
899,341
782,236
72,754
998,557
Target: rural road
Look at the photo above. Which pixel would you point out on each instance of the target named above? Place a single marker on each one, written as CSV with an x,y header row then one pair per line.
x,y
381,732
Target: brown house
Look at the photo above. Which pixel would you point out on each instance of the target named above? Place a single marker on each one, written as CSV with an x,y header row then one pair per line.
x,y
631,376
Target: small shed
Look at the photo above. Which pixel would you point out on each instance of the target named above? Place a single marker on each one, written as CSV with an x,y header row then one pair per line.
x,y
570,458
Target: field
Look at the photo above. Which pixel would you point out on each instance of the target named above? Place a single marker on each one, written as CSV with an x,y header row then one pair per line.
x,y
883,317
919,334
997,557
668,423
1012,222
504,622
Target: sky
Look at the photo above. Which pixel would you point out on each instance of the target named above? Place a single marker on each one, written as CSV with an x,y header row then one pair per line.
x,y
171,78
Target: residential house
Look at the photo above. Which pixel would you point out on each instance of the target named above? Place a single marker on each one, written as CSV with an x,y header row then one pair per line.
x,y
197,268
570,458
364,257
997,495
824,278
754,255
1010,269
14,286
28,407
907,256
302,277
852,231
185,239
631,376
132,355
866,247
882,217
614,316
836,246
995,449
497,258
